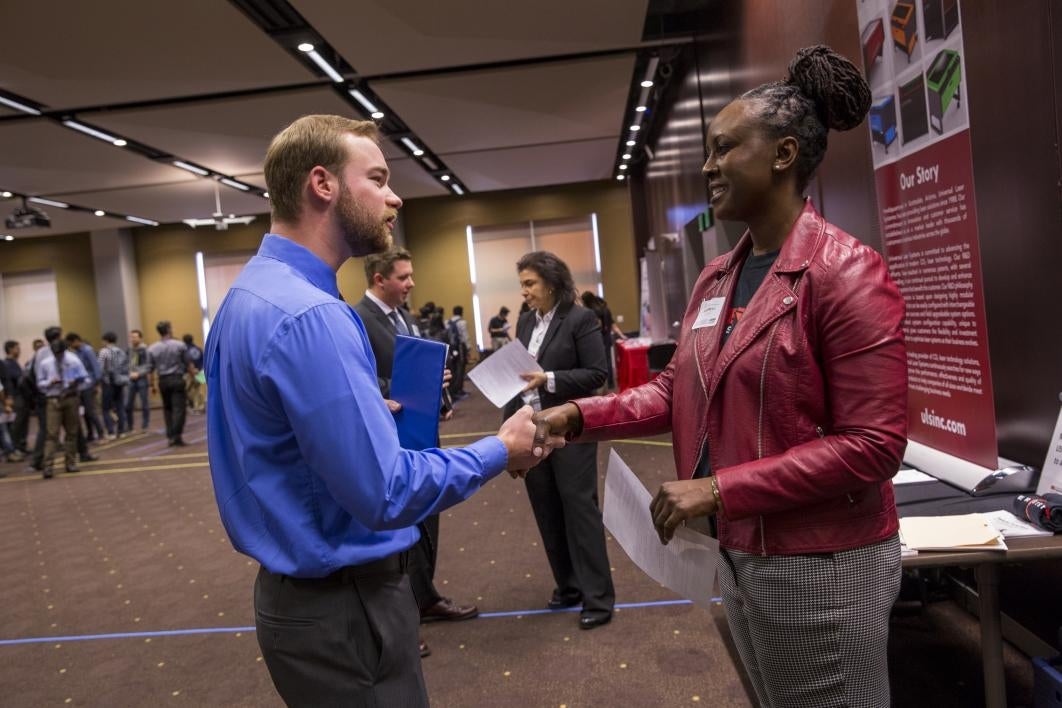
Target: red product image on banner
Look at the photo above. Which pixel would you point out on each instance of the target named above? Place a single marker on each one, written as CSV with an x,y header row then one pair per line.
x,y
929,227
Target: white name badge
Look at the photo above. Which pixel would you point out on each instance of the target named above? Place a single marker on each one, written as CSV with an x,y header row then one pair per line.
x,y
709,314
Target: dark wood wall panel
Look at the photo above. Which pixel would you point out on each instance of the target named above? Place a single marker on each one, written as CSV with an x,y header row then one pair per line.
x,y
1013,99
772,32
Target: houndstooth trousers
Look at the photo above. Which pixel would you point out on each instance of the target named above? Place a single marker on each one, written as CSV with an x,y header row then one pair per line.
x,y
812,630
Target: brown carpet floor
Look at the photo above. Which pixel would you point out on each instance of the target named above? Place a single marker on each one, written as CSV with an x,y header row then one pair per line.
x,y
132,546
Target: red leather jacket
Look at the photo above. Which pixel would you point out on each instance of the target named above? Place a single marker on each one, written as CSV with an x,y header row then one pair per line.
x,y
804,407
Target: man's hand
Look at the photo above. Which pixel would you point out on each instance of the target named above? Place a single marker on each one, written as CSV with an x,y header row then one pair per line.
x,y
562,420
393,406
677,501
447,377
133,375
534,379
527,443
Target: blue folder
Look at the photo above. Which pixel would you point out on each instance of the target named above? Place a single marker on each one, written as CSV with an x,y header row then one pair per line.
x,y
416,383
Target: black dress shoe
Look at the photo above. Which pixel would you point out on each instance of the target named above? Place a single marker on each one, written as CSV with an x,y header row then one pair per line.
x,y
590,619
446,610
424,650
89,458
560,602
177,442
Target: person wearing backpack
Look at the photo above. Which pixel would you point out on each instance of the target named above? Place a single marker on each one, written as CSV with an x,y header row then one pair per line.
x,y
457,338
114,367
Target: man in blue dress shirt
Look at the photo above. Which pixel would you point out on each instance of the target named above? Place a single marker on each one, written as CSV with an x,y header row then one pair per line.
x,y
308,473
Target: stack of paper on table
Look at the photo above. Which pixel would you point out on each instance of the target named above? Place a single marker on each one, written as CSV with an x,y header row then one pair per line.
x,y
1011,526
969,532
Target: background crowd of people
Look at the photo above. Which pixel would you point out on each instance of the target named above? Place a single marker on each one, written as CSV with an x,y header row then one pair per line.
x,y
82,396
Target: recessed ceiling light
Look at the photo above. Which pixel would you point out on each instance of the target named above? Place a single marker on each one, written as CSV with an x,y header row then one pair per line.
x,y
445,178
19,106
100,212
138,220
322,64
626,156
647,83
640,109
457,189
5,195
265,194
623,167
630,143
305,47
619,177
89,130
234,184
413,147
368,105
190,167
49,202
120,143
635,128
9,237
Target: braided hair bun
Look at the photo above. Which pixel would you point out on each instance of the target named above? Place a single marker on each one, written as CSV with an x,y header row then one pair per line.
x,y
833,84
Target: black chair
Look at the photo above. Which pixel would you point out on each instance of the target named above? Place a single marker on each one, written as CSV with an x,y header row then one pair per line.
x,y
660,356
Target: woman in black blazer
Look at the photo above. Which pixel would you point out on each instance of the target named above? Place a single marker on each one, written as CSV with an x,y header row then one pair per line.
x,y
566,340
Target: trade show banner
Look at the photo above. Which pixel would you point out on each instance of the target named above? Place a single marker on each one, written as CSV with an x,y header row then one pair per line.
x,y
920,141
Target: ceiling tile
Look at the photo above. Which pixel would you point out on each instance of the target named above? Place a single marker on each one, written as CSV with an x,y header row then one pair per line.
x,y
63,222
231,135
88,53
384,36
409,180
549,103
171,203
535,166
42,157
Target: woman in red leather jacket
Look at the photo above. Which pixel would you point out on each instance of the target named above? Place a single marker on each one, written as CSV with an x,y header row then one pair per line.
x,y
787,399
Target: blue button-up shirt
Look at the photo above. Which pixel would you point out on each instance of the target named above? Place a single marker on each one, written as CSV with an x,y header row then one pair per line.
x,y
87,355
308,472
48,380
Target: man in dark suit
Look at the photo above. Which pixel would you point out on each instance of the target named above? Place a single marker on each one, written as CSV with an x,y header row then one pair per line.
x,y
566,341
389,277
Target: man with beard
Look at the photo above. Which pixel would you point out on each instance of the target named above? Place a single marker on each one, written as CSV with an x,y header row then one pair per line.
x,y
308,473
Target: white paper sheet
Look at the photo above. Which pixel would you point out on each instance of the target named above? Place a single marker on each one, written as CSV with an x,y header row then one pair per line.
x,y
909,475
1011,526
498,376
686,565
1051,472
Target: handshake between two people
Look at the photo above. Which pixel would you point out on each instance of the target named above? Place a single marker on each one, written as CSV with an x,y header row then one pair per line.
x,y
530,437
674,503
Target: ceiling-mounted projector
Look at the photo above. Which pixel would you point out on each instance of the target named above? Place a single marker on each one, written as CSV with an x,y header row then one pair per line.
x,y
27,217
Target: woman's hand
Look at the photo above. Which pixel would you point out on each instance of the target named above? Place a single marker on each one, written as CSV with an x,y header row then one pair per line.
x,y
677,501
565,419
534,379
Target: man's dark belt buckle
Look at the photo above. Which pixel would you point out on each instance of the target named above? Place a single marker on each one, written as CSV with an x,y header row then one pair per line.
x,y
394,563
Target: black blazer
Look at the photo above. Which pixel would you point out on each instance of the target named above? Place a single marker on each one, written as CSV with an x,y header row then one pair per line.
x,y
572,349
382,335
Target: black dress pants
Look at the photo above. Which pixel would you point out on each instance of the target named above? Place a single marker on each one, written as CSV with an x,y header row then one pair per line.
x,y
349,639
174,404
563,493
422,563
